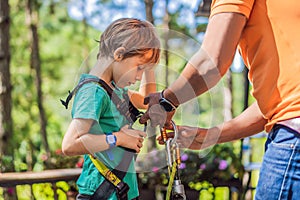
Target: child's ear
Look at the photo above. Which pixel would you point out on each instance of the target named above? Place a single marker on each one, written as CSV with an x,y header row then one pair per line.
x,y
119,54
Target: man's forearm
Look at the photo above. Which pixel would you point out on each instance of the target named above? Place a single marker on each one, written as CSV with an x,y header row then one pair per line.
x,y
211,62
199,75
248,123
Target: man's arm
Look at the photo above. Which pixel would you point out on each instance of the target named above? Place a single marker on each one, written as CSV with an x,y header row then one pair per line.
x,y
147,86
204,69
248,123
211,62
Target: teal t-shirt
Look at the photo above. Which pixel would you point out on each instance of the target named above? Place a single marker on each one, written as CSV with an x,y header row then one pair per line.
x,y
92,102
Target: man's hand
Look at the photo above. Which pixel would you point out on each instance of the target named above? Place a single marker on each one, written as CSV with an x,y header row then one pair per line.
x,y
155,112
197,138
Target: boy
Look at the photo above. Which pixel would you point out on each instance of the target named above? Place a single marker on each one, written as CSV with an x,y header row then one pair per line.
x,y
129,48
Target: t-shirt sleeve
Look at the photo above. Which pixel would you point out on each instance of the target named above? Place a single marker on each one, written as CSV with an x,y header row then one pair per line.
x,y
90,101
238,6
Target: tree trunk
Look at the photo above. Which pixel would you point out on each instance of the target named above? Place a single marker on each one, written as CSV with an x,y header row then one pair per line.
x,y
6,147
228,97
166,25
85,48
246,88
6,130
246,100
35,63
149,8
151,131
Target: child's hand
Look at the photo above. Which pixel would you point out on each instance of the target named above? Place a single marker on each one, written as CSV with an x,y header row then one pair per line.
x,y
130,138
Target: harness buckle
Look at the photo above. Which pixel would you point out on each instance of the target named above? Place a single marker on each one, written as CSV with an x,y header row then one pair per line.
x,y
122,190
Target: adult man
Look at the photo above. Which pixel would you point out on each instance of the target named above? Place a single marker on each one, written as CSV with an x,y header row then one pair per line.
x,y
268,38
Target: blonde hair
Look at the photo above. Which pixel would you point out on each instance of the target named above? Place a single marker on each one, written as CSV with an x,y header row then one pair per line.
x,y
136,36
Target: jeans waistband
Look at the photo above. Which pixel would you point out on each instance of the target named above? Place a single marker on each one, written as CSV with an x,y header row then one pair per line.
x,y
293,123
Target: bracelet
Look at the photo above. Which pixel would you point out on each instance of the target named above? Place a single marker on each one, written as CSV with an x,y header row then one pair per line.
x,y
165,103
111,140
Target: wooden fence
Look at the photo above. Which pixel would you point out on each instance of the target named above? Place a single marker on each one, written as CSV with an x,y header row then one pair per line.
x,y
12,179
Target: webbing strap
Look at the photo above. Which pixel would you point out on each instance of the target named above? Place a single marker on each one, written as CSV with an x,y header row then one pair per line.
x,y
107,173
113,178
125,106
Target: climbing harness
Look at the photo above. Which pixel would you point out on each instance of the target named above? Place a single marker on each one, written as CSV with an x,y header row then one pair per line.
x,y
113,178
175,190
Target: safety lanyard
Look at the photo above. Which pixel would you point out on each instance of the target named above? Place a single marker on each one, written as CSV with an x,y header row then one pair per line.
x,y
175,188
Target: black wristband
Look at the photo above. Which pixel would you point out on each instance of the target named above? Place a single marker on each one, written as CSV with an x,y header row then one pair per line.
x,y
167,105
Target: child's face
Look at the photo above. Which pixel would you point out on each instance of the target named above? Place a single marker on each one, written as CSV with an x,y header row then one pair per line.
x,y
127,71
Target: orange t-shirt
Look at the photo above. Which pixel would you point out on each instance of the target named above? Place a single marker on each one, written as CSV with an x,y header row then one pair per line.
x,y
270,47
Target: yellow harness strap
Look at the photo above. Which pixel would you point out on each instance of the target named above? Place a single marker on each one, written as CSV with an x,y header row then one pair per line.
x,y
107,173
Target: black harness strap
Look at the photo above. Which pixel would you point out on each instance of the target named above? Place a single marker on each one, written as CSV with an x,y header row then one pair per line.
x,y
106,188
125,106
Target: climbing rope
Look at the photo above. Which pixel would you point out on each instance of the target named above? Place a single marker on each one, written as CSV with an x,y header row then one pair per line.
x,y
175,189
171,181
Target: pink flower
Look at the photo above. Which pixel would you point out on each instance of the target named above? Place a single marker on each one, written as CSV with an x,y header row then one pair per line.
x,y
202,166
155,169
184,157
44,157
79,164
58,152
223,165
182,166
10,191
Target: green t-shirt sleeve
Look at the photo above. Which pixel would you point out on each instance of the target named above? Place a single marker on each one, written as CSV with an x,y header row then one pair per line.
x,y
90,102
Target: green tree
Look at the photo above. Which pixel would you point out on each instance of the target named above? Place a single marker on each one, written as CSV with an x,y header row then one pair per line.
x,y
32,18
5,84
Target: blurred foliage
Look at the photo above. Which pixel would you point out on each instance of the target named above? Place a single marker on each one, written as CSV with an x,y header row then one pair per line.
x,y
219,162
61,51
44,191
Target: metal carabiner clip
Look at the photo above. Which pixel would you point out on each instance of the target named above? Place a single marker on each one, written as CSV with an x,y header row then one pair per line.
x,y
173,162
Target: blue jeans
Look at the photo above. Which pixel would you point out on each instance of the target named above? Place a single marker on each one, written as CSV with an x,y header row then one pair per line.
x,y
279,177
